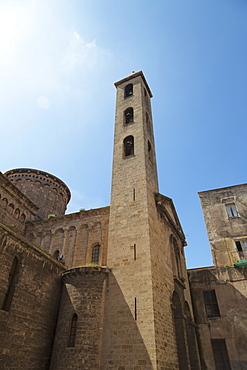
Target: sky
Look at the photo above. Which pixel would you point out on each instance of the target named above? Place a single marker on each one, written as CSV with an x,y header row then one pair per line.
x,y
59,60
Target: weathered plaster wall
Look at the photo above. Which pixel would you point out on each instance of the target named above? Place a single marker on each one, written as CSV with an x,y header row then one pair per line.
x,y
230,285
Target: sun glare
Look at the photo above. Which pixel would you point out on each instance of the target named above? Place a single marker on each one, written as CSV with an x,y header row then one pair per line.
x,y
15,29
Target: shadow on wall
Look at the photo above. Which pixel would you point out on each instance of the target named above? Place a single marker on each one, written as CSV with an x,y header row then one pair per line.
x,y
122,345
106,335
230,322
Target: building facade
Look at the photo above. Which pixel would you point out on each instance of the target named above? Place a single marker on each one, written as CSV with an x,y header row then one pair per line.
x,y
220,292
108,288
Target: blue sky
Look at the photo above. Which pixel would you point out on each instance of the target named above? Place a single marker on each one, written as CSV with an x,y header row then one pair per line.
x,y
59,61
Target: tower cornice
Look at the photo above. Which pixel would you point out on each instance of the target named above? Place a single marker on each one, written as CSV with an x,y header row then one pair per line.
x,y
134,75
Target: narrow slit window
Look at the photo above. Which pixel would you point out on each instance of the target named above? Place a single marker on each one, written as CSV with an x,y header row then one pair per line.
x,y
134,195
128,146
72,334
149,150
11,286
128,115
128,91
231,210
135,309
134,252
96,254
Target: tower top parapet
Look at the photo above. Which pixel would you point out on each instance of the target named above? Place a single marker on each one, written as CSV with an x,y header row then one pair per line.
x,y
134,75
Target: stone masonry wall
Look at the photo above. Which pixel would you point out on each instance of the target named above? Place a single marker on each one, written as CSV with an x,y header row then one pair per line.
x,y
28,326
15,207
74,236
83,295
48,192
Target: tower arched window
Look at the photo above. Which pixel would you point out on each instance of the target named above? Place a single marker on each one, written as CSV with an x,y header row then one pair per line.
x,y
96,254
11,286
128,91
128,146
72,333
128,115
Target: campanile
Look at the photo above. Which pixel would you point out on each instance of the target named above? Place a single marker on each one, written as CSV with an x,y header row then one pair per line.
x,y
134,183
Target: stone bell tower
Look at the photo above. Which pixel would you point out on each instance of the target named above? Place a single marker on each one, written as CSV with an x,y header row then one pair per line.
x,y
130,334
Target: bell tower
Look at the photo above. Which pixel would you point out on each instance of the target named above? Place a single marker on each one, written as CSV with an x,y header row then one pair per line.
x,y
129,318
138,328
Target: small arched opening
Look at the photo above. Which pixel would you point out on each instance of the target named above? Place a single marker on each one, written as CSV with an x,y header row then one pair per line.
x,y
128,146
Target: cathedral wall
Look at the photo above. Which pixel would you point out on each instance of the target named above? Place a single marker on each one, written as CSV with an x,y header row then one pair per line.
x,y
73,236
48,192
78,337
224,316
15,208
30,288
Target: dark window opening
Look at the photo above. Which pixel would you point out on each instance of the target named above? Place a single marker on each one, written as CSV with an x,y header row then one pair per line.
x,y
240,249
4,203
241,246
220,354
11,287
149,150
231,210
128,115
72,334
128,91
211,304
177,257
134,252
135,309
128,146
96,254
134,195
56,255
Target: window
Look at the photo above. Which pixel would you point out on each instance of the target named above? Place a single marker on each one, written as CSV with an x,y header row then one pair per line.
x,y
17,213
11,287
128,146
56,255
4,203
211,304
149,150
231,210
95,254
241,246
72,334
220,354
128,115
128,91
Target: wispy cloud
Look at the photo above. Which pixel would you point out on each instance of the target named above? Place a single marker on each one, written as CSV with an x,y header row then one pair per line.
x,y
78,51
